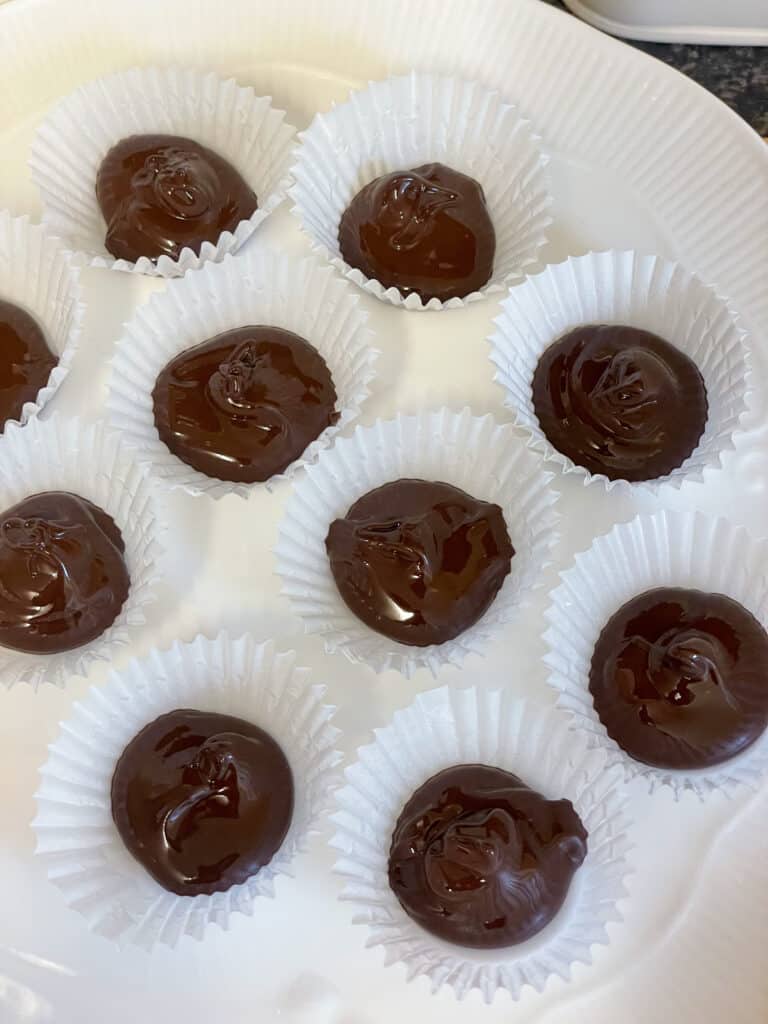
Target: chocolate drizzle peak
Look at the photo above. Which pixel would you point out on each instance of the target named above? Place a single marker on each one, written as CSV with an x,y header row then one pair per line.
x,y
678,678
162,193
425,230
25,361
620,401
63,579
246,404
480,859
202,800
419,562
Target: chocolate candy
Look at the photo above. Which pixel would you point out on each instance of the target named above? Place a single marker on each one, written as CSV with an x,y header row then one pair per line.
x,y
480,859
419,562
426,231
63,579
246,404
679,678
162,193
620,401
202,800
25,361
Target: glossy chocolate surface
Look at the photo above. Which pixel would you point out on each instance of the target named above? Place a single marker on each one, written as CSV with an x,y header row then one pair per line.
x,y
425,230
63,579
25,361
246,404
480,859
418,561
679,678
202,800
162,193
620,401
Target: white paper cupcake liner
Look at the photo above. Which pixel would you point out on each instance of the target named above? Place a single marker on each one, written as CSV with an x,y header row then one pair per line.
x,y
403,122
641,291
488,461
675,549
84,854
80,130
37,275
256,288
92,462
448,727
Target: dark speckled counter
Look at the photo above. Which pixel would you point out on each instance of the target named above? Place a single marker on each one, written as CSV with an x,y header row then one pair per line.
x,y
737,74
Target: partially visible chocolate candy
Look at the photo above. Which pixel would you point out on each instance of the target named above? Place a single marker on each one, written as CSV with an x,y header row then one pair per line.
x,y
162,193
63,579
679,678
246,404
25,361
419,561
425,230
620,401
480,859
202,800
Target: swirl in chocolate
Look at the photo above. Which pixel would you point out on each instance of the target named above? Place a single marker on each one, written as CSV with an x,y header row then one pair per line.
x,y
246,404
419,562
620,401
202,800
426,231
678,678
160,194
25,361
63,579
480,859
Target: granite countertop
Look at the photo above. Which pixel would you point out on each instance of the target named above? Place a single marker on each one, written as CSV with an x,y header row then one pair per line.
x,y
737,74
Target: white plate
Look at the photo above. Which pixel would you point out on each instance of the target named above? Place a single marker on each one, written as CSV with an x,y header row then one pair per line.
x,y
641,157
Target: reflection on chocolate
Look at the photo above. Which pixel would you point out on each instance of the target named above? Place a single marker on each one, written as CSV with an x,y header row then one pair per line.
x,y
63,579
678,678
25,361
162,193
202,800
620,401
419,562
480,859
426,231
246,404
